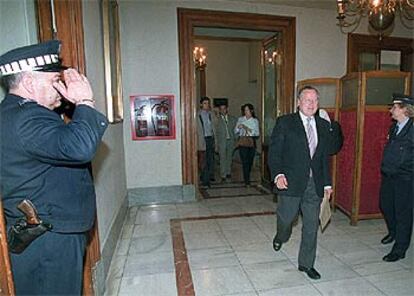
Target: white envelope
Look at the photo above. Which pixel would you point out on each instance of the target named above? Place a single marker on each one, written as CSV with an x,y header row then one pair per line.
x,y
325,213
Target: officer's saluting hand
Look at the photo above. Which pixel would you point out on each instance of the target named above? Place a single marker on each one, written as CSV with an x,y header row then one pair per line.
x,y
76,88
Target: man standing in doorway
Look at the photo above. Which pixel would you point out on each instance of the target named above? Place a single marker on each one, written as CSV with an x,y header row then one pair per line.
x,y
206,143
225,140
298,160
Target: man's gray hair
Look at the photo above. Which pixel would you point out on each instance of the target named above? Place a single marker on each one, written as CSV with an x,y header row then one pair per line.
x,y
9,82
306,88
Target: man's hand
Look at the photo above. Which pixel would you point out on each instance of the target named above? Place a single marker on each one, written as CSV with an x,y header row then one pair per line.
x,y
328,192
77,89
281,182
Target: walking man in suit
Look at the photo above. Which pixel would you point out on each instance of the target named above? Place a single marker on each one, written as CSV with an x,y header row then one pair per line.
x,y
298,161
397,170
205,141
225,141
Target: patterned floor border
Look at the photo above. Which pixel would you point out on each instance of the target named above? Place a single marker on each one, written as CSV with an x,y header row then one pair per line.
x,y
184,280
206,195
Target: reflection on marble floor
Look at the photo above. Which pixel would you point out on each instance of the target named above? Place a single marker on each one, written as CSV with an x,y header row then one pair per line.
x,y
231,254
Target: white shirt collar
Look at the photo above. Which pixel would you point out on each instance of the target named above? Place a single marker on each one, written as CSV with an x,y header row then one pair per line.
x,y
403,123
305,118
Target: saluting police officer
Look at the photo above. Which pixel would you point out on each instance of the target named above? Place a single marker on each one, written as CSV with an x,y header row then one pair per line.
x,y
397,168
45,160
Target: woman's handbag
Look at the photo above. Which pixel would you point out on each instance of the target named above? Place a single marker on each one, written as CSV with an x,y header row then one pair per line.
x,y
245,141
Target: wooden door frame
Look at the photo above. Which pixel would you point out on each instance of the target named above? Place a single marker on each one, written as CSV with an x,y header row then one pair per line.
x,y
69,22
267,183
190,18
6,276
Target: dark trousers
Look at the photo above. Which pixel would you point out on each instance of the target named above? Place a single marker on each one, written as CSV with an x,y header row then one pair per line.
x,y
287,210
247,156
51,265
396,202
208,169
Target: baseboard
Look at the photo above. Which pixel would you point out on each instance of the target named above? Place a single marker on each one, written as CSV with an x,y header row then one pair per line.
x,y
160,195
102,267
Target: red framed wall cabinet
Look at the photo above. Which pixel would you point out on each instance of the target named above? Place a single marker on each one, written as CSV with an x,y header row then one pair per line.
x,y
364,117
152,117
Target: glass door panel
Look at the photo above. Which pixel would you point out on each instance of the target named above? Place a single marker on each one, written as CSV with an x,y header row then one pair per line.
x,y
271,64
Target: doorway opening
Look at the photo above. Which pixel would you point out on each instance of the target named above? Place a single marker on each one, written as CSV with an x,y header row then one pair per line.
x,y
262,40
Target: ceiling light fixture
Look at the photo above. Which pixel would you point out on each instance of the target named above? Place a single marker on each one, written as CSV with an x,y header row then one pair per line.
x,y
199,57
381,14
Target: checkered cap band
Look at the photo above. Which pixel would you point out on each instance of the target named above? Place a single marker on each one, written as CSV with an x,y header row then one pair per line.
x,y
29,64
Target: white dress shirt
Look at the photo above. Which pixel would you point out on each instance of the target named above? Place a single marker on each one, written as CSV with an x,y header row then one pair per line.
x,y
252,123
313,124
401,125
206,123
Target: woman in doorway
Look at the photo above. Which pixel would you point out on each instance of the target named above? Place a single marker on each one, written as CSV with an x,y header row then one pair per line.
x,y
247,129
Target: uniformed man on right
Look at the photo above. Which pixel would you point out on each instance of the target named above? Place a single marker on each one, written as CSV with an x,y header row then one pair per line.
x,y
397,170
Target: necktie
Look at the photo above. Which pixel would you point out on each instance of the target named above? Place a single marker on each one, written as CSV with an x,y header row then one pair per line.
x,y
311,136
227,128
397,129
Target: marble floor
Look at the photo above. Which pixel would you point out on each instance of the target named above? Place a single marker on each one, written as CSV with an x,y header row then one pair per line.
x,y
222,246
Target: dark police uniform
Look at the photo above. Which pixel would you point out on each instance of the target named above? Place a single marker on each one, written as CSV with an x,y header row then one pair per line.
x,y
47,161
396,195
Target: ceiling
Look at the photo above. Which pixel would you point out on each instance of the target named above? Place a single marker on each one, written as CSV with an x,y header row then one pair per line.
x,y
322,4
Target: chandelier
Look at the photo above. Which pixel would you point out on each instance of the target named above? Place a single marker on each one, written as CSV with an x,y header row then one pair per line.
x,y
272,57
381,13
199,57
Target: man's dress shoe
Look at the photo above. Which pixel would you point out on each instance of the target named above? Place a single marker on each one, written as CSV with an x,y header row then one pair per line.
x,y
276,244
311,272
387,239
392,257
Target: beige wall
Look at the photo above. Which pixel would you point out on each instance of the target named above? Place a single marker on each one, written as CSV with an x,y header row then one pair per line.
x,y
16,25
109,163
227,73
17,19
150,66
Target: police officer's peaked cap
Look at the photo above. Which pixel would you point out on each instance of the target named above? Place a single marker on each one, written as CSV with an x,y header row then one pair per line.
x,y
37,57
402,99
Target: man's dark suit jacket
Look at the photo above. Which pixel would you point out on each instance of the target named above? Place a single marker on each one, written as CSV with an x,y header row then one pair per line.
x,y
289,155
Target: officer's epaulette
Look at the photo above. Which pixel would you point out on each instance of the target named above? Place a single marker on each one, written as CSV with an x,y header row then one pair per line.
x,y
23,102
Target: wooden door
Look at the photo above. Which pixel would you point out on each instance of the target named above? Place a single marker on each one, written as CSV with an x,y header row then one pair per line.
x,y
6,277
271,93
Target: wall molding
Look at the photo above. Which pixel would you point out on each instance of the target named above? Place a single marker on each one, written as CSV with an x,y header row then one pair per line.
x,y
161,195
100,271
